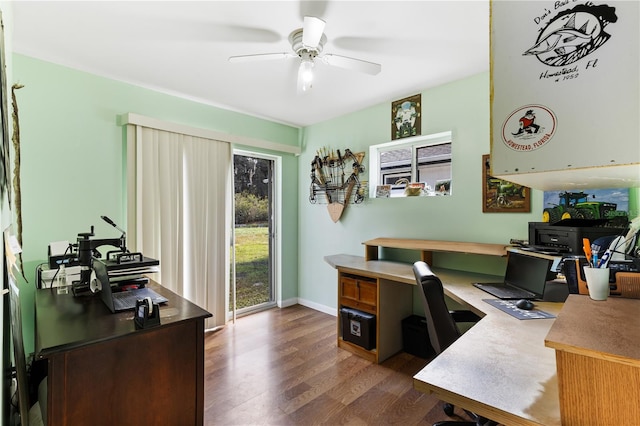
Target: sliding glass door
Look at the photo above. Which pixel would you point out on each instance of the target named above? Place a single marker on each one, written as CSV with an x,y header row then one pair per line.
x,y
253,261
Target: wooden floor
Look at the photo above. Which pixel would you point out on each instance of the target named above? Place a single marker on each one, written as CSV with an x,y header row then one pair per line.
x,y
282,367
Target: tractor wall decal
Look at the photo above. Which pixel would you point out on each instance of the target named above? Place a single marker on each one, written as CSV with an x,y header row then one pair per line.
x,y
578,205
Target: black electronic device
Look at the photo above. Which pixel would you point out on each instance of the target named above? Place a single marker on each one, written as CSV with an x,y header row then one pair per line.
x,y
87,251
122,300
566,239
525,277
61,253
572,267
616,266
525,304
572,270
68,259
122,261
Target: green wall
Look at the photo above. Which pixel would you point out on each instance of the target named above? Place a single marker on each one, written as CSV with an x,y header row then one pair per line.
x,y
73,172
463,108
73,164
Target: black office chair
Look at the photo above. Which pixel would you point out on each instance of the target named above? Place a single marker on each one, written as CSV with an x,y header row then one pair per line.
x,y
442,327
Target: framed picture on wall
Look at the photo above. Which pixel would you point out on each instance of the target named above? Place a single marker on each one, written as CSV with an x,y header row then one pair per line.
x,y
383,191
443,187
501,196
594,203
406,117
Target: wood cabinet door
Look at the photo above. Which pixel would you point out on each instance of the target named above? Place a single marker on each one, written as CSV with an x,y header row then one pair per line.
x,y
349,288
359,293
151,377
368,292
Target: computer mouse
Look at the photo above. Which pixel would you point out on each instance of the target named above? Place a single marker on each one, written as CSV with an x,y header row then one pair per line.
x,y
525,304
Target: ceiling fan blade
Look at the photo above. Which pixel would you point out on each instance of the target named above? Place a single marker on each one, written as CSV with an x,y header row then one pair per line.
x,y
312,31
312,8
352,64
367,44
201,30
260,57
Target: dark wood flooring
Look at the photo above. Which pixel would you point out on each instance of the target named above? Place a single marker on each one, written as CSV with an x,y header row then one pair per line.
x,y
283,367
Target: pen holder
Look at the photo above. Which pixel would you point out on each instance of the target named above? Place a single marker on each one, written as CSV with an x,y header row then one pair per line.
x,y
597,282
147,314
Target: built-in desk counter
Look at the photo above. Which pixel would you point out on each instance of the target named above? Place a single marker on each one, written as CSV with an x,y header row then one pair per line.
x,y
383,284
500,368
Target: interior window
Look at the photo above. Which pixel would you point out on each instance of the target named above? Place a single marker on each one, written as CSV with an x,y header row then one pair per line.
x,y
419,161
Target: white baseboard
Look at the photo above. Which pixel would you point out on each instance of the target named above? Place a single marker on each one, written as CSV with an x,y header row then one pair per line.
x,y
318,307
288,302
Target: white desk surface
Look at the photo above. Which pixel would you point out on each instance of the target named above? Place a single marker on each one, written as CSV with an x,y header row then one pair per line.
x,y
500,368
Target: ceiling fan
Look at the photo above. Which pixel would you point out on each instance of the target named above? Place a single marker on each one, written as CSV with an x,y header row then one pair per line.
x,y
307,44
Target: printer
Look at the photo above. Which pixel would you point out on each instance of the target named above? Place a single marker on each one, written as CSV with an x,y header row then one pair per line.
x,y
566,239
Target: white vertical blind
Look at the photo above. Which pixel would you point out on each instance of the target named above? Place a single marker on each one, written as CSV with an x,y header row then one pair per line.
x,y
183,214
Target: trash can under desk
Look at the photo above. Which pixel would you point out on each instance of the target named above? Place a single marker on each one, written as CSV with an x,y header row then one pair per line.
x,y
415,337
358,327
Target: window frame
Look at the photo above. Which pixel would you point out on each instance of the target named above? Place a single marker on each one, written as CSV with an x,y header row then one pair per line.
x,y
412,143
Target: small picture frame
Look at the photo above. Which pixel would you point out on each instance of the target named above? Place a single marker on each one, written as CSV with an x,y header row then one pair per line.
x,y
443,187
501,196
383,191
406,117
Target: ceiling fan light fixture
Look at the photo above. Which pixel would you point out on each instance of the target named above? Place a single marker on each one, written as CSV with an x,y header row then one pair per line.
x,y
305,74
307,43
298,45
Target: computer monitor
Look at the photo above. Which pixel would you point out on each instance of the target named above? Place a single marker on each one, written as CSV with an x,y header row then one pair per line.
x,y
528,272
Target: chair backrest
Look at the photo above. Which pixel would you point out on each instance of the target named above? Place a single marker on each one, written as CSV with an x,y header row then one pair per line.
x,y
442,329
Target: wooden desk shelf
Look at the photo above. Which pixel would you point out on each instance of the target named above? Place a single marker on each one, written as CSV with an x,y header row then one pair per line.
x,y
427,247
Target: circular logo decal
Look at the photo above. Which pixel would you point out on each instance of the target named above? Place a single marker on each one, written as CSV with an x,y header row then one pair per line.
x,y
528,128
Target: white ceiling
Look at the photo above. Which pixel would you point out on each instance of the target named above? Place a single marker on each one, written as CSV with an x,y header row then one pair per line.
x,y
182,48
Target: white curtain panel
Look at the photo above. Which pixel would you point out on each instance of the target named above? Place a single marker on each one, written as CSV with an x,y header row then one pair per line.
x,y
184,215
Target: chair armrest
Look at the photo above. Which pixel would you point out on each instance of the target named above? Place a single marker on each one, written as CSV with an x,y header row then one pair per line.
x,y
464,316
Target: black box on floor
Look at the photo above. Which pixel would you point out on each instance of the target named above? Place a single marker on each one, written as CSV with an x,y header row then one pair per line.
x,y
415,337
358,327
